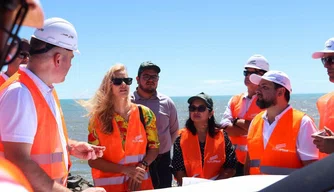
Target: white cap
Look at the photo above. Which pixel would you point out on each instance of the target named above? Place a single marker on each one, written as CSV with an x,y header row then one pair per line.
x,y
329,48
59,32
257,62
278,77
35,15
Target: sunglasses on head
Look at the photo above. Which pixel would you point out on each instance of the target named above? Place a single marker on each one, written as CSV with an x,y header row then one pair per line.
x,y
246,73
200,108
119,81
327,60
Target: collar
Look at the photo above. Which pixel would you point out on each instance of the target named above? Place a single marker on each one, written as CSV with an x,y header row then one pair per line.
x,y
44,88
264,116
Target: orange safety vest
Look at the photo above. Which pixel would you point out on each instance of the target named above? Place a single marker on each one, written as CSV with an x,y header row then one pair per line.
x,y
240,142
214,157
47,149
325,106
2,80
11,174
280,156
133,152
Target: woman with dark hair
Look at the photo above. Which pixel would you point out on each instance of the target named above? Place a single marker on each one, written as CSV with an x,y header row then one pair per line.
x,y
202,150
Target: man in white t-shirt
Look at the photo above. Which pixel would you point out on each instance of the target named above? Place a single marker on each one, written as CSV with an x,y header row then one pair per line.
x,y
279,138
32,128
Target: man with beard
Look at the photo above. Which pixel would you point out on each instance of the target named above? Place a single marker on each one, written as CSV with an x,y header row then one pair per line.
x,y
325,104
242,108
279,138
167,121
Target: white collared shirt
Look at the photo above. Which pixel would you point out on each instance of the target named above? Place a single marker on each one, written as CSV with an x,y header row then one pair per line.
x,y
227,116
18,113
305,147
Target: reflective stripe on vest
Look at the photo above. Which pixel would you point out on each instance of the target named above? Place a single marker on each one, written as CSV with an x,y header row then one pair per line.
x,y
271,170
240,147
114,180
48,158
132,159
43,159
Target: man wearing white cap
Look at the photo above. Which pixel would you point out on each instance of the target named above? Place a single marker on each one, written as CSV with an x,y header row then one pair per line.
x,y
325,104
242,108
279,138
32,127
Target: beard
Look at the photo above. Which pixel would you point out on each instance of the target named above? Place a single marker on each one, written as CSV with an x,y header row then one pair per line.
x,y
263,104
147,90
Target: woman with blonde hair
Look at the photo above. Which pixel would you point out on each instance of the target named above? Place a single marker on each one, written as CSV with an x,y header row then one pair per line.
x,y
128,131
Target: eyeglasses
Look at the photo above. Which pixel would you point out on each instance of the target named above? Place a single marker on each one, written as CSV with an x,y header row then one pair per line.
x,y
327,60
151,77
119,81
23,55
200,108
246,73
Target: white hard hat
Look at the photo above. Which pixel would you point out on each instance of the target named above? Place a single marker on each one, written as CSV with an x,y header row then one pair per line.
x,y
35,15
58,32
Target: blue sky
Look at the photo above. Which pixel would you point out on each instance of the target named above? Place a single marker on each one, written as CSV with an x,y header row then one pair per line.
x,y
199,45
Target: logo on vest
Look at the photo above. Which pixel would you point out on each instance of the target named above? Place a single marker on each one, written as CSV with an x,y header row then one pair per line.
x,y
280,147
214,159
138,139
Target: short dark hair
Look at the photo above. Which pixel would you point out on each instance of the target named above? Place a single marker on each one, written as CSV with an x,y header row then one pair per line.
x,y
287,92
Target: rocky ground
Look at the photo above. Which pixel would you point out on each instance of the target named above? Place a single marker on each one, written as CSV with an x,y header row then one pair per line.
x,y
77,183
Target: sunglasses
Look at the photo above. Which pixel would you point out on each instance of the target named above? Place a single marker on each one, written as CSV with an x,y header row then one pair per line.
x,y
246,73
327,60
119,81
151,77
193,108
23,55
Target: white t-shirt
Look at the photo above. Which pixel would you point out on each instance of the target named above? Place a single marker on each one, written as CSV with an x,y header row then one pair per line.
x,y
227,116
18,114
305,147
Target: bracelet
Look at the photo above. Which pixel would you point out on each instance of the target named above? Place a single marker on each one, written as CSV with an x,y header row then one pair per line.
x,y
145,164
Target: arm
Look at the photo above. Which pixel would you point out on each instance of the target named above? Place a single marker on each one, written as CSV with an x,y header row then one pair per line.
x,y
173,122
19,154
247,165
178,167
307,151
152,136
228,169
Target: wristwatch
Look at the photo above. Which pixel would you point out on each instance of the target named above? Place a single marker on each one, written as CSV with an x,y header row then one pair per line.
x,y
144,163
235,121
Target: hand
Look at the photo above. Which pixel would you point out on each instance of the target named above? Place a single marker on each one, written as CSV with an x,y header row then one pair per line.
x,y
325,144
135,173
133,185
83,150
94,189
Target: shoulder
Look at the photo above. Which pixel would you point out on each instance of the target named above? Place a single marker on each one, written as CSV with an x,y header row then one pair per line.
x,y
145,109
165,98
16,92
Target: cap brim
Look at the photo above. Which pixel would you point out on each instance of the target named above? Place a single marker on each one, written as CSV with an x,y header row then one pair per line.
x,y
35,15
252,66
255,79
320,54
